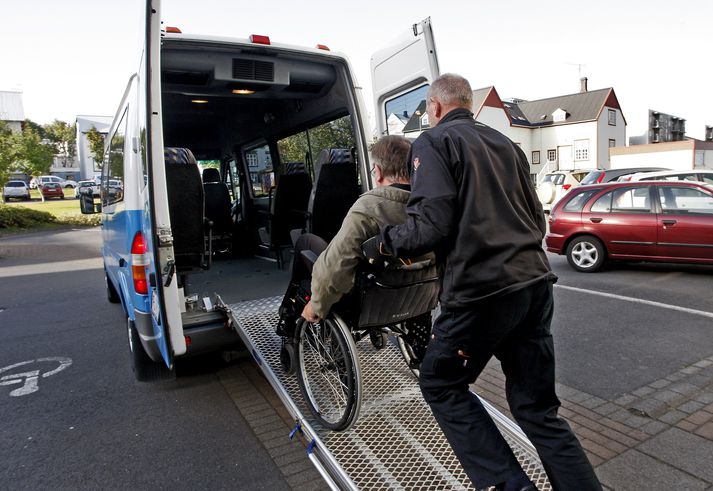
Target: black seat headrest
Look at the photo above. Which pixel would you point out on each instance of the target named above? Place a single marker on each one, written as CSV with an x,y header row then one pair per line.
x,y
211,174
335,156
177,155
295,168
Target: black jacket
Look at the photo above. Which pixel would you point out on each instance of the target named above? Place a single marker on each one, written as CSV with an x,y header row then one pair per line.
x,y
473,203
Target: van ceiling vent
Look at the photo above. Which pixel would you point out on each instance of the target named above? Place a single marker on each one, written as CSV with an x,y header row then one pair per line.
x,y
264,71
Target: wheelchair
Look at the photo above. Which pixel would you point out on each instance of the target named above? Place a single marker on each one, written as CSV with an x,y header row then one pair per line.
x,y
395,300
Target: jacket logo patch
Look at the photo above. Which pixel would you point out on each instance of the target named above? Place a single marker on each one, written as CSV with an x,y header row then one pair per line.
x,y
416,163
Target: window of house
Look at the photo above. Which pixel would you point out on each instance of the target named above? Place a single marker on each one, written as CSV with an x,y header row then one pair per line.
x,y
552,154
612,143
535,157
612,117
581,149
251,159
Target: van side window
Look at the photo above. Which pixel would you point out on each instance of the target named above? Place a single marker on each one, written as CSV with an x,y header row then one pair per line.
x,y
113,171
406,113
262,177
301,149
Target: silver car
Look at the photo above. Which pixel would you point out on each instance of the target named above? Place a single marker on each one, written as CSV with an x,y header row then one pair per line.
x,y
16,190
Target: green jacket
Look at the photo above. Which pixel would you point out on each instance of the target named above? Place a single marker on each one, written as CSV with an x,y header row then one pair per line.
x,y
333,273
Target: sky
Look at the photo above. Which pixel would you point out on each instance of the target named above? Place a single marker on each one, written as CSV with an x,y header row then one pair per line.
x,y
74,57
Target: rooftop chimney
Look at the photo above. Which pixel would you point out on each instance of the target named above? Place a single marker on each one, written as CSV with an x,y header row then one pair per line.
x,y
583,84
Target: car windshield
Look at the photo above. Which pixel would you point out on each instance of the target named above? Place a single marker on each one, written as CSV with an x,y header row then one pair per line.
x,y
86,184
591,178
15,184
554,178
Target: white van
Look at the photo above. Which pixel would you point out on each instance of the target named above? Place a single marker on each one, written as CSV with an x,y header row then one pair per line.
x,y
287,128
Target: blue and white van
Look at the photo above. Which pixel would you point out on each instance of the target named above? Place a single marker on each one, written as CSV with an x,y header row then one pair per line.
x,y
261,121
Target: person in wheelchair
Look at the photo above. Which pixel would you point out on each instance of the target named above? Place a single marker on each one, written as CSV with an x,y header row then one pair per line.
x,y
333,273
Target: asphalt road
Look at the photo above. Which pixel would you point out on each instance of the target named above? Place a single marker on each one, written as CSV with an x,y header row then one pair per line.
x,y
91,426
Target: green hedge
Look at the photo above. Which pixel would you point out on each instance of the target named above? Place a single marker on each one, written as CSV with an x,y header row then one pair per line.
x,y
20,217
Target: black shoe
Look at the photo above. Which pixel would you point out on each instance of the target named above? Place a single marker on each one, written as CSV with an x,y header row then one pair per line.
x,y
518,483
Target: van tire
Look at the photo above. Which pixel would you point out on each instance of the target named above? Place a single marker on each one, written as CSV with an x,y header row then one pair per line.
x,y
145,369
111,293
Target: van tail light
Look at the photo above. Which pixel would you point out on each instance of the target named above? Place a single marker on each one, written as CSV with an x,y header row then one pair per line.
x,y
174,30
139,261
323,46
601,177
566,187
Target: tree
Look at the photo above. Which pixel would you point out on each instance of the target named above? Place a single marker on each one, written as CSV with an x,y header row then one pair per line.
x,y
6,154
96,146
37,128
64,136
29,154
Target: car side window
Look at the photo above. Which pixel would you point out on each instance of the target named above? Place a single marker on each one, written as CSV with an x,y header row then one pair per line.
x,y
685,201
576,203
603,204
631,200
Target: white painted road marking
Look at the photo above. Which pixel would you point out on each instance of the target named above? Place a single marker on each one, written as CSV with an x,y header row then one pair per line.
x,y
29,378
638,300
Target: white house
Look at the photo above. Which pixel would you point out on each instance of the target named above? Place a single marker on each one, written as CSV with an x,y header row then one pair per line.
x,y
567,132
676,155
12,111
87,167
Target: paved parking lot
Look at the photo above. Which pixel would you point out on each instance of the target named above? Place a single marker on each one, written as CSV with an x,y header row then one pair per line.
x,y
635,372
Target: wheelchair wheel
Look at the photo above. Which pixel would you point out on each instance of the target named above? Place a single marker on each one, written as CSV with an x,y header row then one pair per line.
x,y
413,341
328,372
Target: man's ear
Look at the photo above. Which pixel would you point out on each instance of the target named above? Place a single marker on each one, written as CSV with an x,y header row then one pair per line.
x,y
437,108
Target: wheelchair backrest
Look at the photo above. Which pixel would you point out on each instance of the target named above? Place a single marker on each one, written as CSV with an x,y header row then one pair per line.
x,y
391,295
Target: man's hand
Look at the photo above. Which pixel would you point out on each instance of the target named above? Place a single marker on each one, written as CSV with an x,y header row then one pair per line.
x,y
309,315
373,251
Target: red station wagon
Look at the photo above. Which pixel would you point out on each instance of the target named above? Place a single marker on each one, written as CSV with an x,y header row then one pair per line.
x,y
666,221
52,190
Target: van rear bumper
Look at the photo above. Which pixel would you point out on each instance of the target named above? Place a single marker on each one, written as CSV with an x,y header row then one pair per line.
x,y
142,321
204,333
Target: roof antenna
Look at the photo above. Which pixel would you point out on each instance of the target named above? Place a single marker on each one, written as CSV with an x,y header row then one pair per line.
x,y
579,69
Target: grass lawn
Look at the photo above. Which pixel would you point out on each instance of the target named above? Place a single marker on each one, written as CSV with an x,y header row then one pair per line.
x,y
58,207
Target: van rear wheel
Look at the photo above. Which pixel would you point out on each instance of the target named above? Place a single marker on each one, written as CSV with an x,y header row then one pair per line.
x,y
145,369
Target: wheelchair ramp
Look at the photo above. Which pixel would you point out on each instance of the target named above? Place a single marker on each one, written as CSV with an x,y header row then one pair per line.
x,y
396,443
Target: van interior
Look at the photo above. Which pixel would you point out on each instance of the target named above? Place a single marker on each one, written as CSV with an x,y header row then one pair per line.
x,y
276,137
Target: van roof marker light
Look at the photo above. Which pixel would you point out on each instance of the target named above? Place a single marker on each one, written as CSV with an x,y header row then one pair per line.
x,y
199,101
323,46
174,30
243,91
259,39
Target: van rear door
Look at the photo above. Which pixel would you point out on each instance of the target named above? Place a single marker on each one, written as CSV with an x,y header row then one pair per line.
x,y
400,76
163,288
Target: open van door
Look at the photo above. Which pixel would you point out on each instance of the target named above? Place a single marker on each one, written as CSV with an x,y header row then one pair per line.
x,y
400,75
162,289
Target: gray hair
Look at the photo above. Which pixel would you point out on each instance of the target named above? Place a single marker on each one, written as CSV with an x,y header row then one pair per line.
x,y
452,90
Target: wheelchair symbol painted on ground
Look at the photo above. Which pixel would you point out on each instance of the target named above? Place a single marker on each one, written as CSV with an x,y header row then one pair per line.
x,y
28,379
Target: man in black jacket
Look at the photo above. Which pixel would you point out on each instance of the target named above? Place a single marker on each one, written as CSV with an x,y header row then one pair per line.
x,y
474,205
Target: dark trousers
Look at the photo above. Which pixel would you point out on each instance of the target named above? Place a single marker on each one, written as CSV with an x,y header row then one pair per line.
x,y
516,329
301,273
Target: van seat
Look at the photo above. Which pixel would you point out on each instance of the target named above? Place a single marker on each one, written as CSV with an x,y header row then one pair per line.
x,y
185,204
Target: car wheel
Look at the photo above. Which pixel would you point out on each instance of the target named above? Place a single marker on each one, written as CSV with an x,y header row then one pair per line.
x,y
61,197
145,369
586,254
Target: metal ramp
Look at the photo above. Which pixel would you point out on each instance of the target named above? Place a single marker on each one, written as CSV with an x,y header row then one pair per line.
x,y
396,443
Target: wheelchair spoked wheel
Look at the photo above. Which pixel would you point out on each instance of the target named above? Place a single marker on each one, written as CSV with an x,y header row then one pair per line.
x,y
412,341
328,372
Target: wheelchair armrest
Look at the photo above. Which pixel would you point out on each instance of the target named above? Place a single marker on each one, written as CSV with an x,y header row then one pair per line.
x,y
370,277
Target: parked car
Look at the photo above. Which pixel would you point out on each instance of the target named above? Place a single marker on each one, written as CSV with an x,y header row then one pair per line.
x,y
16,190
87,187
698,175
669,221
556,184
52,190
609,175
65,183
